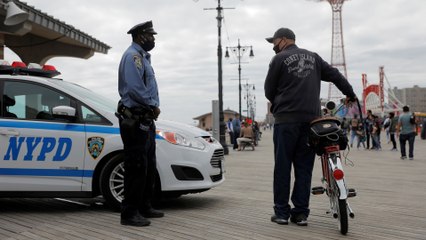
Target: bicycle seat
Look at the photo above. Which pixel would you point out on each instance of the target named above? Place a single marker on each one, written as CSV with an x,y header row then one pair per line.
x,y
326,119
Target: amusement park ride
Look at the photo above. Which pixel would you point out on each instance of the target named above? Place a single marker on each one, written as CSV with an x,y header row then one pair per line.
x,y
374,96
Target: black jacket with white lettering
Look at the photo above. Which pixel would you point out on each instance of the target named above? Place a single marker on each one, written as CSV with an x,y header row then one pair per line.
x,y
293,84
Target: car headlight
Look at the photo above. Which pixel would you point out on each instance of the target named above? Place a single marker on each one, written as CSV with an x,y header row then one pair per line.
x,y
181,139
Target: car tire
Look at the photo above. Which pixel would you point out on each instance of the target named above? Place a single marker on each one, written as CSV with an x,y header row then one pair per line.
x,y
112,183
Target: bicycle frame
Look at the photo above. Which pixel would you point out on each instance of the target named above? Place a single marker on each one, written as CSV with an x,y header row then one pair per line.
x,y
329,166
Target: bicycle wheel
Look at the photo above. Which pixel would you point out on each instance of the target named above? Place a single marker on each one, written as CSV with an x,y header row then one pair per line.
x,y
338,206
343,216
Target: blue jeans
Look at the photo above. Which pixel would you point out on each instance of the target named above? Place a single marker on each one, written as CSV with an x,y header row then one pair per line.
x,y
403,138
376,141
290,148
353,136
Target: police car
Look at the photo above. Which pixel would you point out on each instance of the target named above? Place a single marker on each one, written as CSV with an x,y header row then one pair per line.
x,y
58,139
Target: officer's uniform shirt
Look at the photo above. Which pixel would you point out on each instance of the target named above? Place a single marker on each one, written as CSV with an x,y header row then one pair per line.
x,y
136,78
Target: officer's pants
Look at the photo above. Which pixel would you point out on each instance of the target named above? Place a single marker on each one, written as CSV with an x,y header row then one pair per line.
x,y
139,170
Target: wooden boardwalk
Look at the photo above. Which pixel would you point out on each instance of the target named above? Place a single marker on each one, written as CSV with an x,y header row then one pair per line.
x,y
390,205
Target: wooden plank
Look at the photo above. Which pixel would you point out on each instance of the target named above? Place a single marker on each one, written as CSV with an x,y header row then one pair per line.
x,y
389,205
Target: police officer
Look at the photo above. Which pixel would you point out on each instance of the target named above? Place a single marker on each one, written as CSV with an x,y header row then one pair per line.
x,y
137,110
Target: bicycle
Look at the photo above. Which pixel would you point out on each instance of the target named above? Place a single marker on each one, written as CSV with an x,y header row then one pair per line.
x,y
328,140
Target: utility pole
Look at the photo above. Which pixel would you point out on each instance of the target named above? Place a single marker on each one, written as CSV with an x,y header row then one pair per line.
x,y
239,52
219,63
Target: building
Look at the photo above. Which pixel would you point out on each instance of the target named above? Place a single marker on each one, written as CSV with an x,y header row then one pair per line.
x,y
414,97
205,121
269,118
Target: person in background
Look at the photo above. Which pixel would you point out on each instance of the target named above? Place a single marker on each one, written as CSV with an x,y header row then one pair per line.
x,y
354,128
392,129
293,86
375,133
138,108
360,133
386,124
236,127
246,135
230,130
406,131
368,122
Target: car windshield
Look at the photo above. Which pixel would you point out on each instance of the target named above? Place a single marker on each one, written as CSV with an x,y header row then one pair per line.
x,y
89,95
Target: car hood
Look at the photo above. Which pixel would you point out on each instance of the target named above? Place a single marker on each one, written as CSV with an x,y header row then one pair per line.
x,y
181,127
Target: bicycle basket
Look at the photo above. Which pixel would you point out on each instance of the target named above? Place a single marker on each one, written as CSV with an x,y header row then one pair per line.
x,y
326,132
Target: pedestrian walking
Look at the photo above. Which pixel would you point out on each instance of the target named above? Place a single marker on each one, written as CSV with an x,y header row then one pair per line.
x,y
230,130
392,129
406,131
236,126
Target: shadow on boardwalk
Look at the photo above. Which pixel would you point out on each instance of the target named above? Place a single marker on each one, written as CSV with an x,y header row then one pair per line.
x,y
389,205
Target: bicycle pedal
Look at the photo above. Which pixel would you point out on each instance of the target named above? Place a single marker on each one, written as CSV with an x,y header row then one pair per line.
x,y
351,192
318,190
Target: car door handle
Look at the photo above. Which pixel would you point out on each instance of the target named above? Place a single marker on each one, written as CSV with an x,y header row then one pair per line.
x,y
9,132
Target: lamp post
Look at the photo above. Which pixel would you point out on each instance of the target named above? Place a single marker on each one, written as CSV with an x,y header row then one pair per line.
x,y
222,124
239,52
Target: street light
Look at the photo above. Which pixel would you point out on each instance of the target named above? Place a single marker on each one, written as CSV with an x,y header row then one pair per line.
x,y
239,52
222,124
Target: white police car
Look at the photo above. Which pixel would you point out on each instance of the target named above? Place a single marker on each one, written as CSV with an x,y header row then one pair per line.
x,y
58,139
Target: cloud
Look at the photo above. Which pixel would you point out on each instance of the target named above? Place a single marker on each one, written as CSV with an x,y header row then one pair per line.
x,y
376,33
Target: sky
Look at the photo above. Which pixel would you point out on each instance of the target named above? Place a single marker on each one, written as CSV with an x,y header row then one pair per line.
x,y
389,33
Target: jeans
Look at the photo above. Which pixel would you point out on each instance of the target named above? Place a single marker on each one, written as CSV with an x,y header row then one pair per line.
x,y
392,138
353,136
236,135
291,149
376,141
403,138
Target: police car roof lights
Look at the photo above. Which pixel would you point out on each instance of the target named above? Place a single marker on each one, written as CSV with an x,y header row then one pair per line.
x,y
33,69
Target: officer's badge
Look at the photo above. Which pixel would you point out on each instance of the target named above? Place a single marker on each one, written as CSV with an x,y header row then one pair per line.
x,y
95,145
138,61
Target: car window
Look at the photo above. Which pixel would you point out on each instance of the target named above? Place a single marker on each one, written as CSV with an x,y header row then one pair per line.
x,y
31,101
90,117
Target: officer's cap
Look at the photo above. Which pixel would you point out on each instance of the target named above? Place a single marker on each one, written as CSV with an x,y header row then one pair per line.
x,y
282,32
145,27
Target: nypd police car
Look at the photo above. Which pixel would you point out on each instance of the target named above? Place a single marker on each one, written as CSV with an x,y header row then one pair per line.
x,y
58,139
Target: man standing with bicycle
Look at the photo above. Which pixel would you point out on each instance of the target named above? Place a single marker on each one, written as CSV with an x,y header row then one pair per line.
x,y
293,85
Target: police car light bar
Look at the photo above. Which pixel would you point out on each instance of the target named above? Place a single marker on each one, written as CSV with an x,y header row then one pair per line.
x,y
33,69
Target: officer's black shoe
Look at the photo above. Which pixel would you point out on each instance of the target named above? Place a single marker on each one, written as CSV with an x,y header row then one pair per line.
x,y
152,213
279,220
136,220
299,219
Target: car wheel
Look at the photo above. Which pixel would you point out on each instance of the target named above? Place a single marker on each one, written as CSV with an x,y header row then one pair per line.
x,y
112,182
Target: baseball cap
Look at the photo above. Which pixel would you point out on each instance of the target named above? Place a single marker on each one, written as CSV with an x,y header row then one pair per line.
x,y
282,32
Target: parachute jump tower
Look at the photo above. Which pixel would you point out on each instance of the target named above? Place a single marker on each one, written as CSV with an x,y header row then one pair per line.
x,y
337,47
